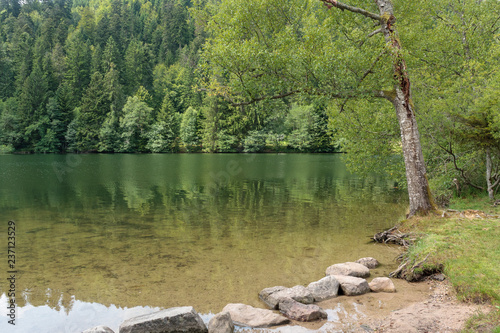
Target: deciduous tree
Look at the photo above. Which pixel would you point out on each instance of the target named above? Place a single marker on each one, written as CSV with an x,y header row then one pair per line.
x,y
270,49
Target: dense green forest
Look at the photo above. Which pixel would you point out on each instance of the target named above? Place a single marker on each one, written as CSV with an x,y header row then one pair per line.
x,y
122,76
254,75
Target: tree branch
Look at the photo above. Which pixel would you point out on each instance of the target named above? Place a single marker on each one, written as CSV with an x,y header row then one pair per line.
x,y
254,100
343,6
462,171
341,95
373,33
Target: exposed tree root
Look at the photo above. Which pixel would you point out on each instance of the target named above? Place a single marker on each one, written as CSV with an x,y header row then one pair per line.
x,y
394,236
410,270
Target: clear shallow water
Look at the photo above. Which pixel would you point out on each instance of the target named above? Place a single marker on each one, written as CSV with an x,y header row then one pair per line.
x,y
120,235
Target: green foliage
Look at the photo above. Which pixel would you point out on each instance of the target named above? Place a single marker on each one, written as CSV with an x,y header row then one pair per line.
x,y
255,142
135,125
164,133
189,130
10,127
361,127
109,134
50,53
453,57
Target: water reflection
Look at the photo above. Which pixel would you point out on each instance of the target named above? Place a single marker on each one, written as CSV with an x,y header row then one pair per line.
x,y
174,230
74,317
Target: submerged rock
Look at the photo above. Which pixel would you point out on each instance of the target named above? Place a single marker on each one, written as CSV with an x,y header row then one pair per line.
x,y
352,286
179,319
382,284
246,315
301,312
99,329
349,269
326,288
272,296
221,323
369,262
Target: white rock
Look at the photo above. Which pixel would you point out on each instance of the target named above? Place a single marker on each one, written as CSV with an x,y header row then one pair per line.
x,y
349,269
352,286
382,284
246,315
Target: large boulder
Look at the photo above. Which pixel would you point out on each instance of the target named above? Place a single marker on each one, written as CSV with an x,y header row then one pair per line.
x,y
326,288
382,284
99,329
221,323
352,286
179,319
272,296
246,315
369,262
301,312
349,269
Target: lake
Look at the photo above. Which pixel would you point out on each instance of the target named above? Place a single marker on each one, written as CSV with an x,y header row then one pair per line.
x,y
101,238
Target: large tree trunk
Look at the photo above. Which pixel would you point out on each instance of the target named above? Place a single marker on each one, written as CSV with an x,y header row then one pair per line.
x,y
418,186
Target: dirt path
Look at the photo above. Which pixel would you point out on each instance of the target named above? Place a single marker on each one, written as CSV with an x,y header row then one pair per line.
x,y
440,312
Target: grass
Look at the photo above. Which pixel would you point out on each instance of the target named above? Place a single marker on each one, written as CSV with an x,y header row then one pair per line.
x,y
475,201
467,250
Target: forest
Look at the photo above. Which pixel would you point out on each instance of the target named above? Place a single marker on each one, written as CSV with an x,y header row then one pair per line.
x,y
123,76
254,76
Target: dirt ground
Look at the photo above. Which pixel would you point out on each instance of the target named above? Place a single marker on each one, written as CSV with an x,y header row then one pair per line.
x,y
429,307
440,312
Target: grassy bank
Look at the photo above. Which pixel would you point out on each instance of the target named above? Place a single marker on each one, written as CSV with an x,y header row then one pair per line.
x,y
465,246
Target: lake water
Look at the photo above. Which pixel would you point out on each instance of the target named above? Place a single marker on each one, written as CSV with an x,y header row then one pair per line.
x,y
101,238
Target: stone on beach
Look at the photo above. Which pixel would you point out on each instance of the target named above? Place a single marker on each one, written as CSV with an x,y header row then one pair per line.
x,y
272,296
349,269
246,315
301,312
369,262
326,288
382,284
179,319
221,323
352,286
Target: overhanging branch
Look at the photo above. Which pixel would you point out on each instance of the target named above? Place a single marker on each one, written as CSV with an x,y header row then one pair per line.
x,y
343,6
255,100
340,95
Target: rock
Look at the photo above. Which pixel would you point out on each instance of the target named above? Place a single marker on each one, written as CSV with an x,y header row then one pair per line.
x,y
349,269
271,301
326,288
246,315
438,277
369,262
221,323
352,286
99,329
180,319
382,284
272,296
301,312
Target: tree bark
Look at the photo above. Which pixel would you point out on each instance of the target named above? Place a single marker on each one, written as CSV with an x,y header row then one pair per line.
x,y
416,175
490,186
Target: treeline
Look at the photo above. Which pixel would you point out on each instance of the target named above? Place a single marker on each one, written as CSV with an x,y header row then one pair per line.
x,y
123,76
